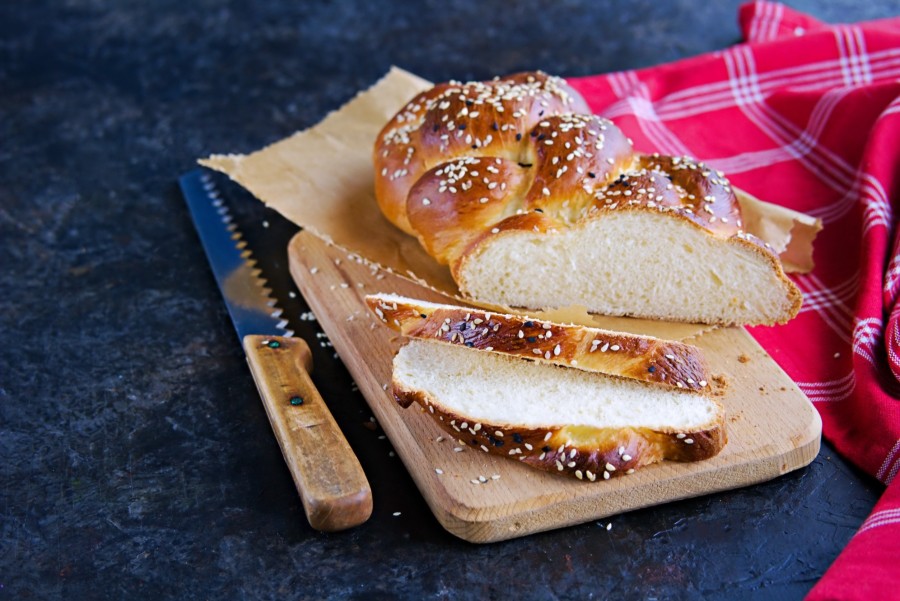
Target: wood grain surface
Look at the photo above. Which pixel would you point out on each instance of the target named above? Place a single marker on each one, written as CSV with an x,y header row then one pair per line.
x,y
772,426
331,482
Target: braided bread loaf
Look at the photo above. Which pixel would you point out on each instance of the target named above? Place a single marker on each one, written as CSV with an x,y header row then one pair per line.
x,y
534,202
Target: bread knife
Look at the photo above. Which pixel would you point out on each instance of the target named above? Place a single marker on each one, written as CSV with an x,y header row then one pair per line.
x,y
332,485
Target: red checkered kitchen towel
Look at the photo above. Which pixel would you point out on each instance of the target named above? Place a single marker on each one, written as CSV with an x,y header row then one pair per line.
x,y
807,115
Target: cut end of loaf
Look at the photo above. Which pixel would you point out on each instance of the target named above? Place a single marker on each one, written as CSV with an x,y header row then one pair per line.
x,y
555,418
638,263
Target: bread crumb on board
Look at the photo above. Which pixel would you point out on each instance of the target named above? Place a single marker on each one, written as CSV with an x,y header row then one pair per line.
x,y
743,358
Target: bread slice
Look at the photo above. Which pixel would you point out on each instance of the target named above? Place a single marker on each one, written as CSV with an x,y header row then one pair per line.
x,y
579,423
645,358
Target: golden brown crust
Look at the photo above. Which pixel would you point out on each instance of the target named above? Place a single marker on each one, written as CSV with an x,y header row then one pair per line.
x,y
586,453
644,358
462,195
454,119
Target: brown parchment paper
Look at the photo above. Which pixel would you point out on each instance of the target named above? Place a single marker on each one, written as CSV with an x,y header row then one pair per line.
x,y
322,178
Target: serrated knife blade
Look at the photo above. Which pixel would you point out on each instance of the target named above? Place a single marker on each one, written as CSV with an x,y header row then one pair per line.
x,y
332,485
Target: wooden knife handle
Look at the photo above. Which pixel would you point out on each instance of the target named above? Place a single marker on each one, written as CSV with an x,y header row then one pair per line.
x,y
331,483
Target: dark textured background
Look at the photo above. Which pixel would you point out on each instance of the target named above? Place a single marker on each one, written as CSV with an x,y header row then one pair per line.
x,y
135,458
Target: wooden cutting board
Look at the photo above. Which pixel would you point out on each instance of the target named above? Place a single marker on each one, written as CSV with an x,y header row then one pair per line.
x,y
772,426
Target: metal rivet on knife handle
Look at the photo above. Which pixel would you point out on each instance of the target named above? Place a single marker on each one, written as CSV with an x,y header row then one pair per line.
x,y
333,488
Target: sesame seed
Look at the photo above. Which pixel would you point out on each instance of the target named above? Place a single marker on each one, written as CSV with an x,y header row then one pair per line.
x,y
679,436
626,457
610,467
688,441
438,471
606,475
